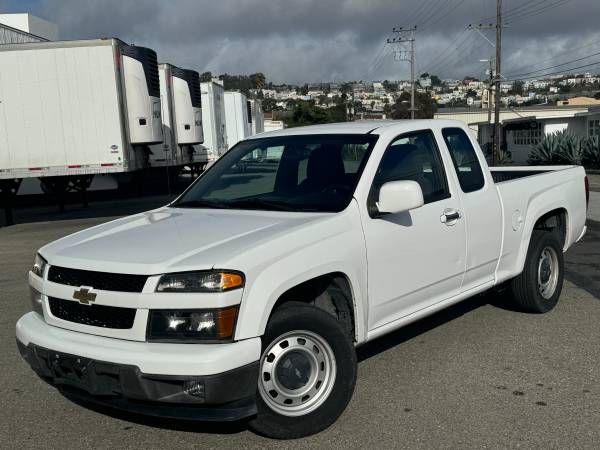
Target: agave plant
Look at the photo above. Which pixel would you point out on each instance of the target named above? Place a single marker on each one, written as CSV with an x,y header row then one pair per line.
x,y
570,149
563,147
546,151
590,156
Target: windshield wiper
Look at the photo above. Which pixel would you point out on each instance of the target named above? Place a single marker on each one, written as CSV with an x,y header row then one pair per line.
x,y
201,204
259,203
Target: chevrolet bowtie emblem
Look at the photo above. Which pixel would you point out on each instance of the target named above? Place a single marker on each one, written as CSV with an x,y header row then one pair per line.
x,y
84,296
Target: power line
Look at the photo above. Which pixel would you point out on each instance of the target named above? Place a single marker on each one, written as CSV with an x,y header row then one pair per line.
x,y
441,14
425,12
560,72
458,50
570,51
530,13
443,52
555,66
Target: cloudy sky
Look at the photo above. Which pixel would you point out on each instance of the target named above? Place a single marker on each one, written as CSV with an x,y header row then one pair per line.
x,y
333,40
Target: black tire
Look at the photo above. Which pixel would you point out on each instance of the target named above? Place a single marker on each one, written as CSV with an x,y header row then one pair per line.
x,y
524,288
295,316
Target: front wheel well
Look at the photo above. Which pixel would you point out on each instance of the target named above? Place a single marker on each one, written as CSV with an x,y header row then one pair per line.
x,y
330,292
556,222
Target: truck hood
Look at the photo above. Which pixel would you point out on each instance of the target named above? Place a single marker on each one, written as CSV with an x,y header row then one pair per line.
x,y
173,239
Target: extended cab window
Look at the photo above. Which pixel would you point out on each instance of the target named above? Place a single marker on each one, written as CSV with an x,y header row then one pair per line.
x,y
468,169
415,157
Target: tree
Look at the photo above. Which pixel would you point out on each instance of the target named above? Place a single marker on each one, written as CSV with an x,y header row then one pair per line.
x,y
389,86
258,80
269,104
302,90
517,88
307,113
426,106
206,76
435,80
387,109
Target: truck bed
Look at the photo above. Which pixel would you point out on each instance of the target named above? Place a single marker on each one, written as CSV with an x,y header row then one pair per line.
x,y
504,174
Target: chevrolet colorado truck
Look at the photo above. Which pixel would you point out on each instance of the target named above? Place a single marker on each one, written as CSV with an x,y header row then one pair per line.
x,y
246,297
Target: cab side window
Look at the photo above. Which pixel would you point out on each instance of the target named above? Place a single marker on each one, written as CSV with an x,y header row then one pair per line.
x,y
415,157
464,157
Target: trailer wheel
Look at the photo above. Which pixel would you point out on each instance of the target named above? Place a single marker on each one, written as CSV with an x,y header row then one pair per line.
x,y
307,373
538,287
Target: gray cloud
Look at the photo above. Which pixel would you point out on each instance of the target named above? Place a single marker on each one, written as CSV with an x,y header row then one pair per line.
x,y
322,40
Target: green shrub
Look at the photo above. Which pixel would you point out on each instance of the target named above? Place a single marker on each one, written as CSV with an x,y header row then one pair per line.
x,y
566,148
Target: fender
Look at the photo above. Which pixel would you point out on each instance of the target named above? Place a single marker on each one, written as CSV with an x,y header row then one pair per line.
x,y
541,204
340,253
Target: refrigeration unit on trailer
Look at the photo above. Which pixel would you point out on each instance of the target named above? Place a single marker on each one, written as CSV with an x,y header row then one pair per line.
x,y
237,118
73,109
213,126
181,106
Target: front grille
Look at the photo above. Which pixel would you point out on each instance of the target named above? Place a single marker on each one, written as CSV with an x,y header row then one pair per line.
x,y
98,280
94,315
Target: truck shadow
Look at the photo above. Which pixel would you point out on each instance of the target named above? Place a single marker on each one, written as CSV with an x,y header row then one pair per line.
x,y
415,329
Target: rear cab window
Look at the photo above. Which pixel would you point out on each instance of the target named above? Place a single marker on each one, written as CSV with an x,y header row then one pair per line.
x,y
464,157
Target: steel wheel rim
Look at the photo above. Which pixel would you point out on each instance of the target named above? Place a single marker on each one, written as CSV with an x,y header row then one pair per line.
x,y
547,273
300,346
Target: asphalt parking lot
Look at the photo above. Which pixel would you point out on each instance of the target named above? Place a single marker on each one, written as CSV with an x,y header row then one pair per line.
x,y
477,375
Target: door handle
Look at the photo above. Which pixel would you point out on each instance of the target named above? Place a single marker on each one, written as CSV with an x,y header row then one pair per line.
x,y
450,216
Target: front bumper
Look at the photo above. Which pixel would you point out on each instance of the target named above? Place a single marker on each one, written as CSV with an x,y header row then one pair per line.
x,y
113,372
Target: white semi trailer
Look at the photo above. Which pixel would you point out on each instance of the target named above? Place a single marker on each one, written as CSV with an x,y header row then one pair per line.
x,y
213,126
237,118
73,109
257,116
181,106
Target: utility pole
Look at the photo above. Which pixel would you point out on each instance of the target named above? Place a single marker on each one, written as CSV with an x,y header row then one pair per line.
x,y
404,36
489,88
496,147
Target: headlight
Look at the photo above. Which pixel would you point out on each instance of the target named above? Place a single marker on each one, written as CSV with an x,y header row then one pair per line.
x,y
202,281
195,325
39,265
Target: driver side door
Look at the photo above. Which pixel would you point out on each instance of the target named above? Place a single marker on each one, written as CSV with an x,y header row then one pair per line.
x,y
415,258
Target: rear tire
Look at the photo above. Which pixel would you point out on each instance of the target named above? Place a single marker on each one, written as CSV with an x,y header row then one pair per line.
x,y
307,373
537,289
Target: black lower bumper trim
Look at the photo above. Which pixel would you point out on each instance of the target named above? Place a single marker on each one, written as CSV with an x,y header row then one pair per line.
x,y
226,396
228,412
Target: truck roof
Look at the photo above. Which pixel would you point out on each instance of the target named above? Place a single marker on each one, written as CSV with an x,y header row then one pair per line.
x,y
361,127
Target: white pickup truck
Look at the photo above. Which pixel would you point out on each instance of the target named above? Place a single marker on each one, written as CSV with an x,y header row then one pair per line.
x,y
246,297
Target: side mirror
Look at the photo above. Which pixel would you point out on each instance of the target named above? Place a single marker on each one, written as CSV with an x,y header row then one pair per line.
x,y
399,196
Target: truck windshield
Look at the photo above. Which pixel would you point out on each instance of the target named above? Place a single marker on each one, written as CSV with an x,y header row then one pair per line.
x,y
291,173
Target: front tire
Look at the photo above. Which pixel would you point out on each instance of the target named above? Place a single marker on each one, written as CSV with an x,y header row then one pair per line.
x,y
307,373
537,289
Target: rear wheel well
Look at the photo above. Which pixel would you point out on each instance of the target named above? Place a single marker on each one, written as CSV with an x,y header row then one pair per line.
x,y
556,222
330,292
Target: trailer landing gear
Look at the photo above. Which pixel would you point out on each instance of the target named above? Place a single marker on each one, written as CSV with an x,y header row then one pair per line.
x,y
8,191
59,186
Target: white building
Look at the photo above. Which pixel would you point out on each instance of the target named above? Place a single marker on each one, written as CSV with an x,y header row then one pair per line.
x,y
32,25
524,127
